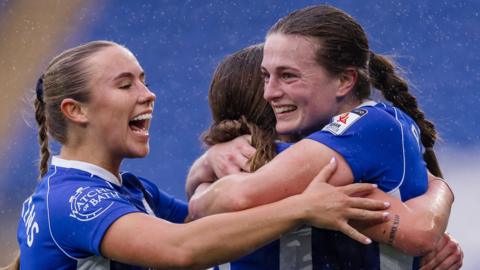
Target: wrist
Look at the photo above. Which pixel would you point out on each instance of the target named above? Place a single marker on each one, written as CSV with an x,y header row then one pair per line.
x,y
301,210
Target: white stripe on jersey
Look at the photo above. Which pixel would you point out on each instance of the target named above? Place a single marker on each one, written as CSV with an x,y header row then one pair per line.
x,y
225,266
296,250
392,259
394,190
93,262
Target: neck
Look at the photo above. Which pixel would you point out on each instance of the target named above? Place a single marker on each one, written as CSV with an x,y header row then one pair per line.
x,y
91,156
347,104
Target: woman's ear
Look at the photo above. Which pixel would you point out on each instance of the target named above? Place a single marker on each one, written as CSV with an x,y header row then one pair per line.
x,y
348,79
74,111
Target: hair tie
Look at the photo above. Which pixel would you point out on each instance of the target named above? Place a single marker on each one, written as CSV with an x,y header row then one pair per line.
x,y
39,89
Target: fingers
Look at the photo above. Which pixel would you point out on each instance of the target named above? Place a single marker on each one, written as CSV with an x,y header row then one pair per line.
x,y
450,255
429,261
245,146
226,167
368,204
241,163
326,171
358,188
447,255
366,215
354,234
240,155
456,266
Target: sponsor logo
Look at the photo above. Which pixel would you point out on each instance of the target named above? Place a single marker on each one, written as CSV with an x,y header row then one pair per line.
x,y
88,203
343,118
343,121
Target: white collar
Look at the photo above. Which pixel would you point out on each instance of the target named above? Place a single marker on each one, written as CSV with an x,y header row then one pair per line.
x,y
367,102
87,167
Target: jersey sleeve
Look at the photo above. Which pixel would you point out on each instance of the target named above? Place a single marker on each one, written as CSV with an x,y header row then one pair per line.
x,y
80,213
368,140
166,206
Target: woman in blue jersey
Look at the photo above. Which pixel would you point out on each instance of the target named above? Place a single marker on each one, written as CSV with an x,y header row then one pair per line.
x,y
238,108
307,90
87,214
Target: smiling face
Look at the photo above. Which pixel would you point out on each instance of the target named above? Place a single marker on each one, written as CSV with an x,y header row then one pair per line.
x,y
301,92
121,105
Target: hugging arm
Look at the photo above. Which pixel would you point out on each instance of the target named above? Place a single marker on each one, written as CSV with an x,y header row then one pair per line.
x,y
140,239
291,171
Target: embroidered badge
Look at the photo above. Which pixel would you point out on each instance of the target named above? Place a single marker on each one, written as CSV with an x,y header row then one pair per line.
x,y
88,203
343,121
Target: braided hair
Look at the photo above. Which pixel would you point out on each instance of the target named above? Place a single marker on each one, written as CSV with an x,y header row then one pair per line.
x,y
342,43
66,76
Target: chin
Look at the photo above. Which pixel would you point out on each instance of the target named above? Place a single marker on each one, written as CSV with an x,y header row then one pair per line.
x,y
285,129
139,153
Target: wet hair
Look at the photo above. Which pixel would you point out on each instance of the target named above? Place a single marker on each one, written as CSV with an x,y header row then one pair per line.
x,y
67,76
238,107
341,44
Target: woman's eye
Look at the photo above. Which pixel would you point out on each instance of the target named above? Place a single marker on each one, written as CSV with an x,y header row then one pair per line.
x,y
265,77
288,75
125,86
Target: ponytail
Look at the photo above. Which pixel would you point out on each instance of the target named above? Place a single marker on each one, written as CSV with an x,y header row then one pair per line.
x,y
395,89
262,138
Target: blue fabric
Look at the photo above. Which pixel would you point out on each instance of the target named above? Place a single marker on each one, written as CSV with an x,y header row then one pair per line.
x,y
381,145
66,218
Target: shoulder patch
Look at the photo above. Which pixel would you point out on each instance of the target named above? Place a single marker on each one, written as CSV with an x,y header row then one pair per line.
x,y
343,121
88,203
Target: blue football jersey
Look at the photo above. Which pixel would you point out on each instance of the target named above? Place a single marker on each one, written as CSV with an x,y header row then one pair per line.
x,y
382,145
62,224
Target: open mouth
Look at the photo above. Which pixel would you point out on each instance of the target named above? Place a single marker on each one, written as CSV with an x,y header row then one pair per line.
x,y
140,124
280,109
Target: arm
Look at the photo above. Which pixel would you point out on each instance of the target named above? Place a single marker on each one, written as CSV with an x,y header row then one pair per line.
x,y
220,160
140,239
417,225
289,173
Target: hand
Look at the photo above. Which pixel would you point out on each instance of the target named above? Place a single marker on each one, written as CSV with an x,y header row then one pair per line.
x,y
333,207
230,157
446,255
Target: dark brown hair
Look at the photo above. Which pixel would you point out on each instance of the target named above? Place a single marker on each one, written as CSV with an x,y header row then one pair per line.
x,y
237,105
342,44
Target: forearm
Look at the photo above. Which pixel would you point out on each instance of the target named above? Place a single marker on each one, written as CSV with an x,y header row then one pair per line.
x,y
224,237
219,197
414,226
400,231
143,240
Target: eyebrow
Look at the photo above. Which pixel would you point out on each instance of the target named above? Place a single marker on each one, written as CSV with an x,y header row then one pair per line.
x,y
280,68
128,75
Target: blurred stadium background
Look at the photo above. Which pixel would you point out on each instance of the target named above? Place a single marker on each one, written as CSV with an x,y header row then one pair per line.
x,y
179,44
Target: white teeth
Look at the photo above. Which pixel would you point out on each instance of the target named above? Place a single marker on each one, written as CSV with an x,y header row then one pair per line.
x,y
142,117
141,131
284,108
